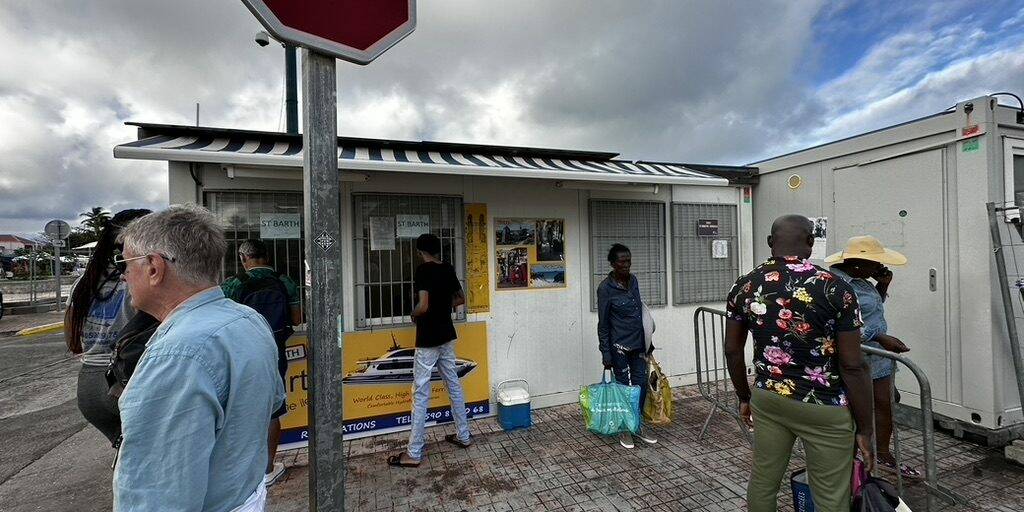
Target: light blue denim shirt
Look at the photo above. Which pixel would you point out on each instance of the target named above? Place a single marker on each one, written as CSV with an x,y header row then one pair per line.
x,y
195,413
872,308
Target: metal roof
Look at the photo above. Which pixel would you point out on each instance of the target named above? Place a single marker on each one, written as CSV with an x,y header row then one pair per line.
x,y
243,147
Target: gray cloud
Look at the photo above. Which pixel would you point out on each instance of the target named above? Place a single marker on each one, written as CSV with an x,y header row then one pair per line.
x,y
709,82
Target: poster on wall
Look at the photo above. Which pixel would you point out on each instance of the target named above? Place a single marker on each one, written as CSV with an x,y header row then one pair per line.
x,y
514,231
550,240
820,250
382,233
529,253
513,267
378,381
478,289
280,226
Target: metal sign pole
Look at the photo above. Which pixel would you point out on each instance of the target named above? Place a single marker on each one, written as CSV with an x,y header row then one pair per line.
x,y
322,207
57,271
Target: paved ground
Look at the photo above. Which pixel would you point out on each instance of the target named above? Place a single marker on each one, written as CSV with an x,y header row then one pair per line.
x,y
51,460
11,324
557,465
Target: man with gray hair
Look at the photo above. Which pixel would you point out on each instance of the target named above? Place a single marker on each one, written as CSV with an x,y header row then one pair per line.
x,y
196,411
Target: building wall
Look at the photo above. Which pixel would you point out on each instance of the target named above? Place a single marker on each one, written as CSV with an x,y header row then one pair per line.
x,y
549,336
978,366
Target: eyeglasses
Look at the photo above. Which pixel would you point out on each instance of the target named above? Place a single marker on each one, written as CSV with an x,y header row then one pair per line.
x,y
121,263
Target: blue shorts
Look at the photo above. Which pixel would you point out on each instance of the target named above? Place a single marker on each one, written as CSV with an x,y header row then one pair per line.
x,y
881,367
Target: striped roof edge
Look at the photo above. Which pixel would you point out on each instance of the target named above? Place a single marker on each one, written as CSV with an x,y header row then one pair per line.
x,y
245,147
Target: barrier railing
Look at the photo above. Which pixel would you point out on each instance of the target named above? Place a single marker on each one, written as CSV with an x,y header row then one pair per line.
x,y
712,372
931,473
715,386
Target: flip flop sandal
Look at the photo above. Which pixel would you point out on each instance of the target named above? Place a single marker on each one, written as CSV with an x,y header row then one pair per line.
x,y
904,470
454,439
396,461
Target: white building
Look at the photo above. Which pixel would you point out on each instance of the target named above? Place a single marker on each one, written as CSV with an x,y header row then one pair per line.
x,y
922,187
547,336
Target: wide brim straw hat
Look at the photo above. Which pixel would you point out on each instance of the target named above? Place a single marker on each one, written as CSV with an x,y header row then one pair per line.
x,y
867,248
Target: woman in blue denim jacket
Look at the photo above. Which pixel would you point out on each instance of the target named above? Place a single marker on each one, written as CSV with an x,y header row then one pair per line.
x,y
865,258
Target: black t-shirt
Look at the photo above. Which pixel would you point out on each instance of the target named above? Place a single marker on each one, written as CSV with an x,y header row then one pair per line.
x,y
435,327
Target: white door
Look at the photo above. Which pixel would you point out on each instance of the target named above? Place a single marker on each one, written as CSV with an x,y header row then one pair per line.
x,y
900,202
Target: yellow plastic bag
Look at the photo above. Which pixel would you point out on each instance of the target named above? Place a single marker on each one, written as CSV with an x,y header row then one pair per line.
x,y
658,404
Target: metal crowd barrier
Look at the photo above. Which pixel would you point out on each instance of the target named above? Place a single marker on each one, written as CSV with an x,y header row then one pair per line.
x,y
712,371
716,387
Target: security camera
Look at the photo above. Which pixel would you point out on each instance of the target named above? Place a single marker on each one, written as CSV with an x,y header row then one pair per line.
x,y
262,38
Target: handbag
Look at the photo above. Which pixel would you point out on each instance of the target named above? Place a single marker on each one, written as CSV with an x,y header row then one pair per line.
x,y
610,408
658,404
877,495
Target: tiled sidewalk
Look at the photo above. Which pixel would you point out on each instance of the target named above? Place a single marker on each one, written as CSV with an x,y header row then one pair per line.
x,y
558,465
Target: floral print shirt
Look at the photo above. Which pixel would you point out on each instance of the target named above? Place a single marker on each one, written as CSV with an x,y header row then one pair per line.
x,y
794,310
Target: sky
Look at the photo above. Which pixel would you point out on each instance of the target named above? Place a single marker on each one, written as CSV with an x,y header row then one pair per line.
x,y
703,82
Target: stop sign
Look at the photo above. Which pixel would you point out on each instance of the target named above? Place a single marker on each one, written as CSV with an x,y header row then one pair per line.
x,y
354,30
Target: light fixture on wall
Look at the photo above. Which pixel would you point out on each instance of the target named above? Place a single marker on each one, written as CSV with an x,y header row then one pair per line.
x,y
795,182
282,173
645,188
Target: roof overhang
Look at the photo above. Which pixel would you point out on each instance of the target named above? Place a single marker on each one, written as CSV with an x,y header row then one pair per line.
x,y
267,149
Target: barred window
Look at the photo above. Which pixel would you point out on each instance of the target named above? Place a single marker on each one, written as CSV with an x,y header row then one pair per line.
x,y
240,214
639,225
385,252
705,261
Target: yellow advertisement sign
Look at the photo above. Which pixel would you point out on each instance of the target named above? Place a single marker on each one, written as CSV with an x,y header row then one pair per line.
x,y
478,289
377,383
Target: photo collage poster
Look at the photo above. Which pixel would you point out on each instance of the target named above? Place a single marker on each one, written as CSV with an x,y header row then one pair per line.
x,y
529,253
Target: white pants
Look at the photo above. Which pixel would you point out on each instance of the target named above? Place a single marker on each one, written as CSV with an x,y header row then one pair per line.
x,y
257,501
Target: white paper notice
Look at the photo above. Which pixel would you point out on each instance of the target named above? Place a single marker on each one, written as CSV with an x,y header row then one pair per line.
x,y
820,250
719,249
412,226
382,233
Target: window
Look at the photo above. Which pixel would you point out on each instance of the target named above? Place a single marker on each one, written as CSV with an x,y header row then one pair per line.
x,y
385,265
240,213
705,261
639,225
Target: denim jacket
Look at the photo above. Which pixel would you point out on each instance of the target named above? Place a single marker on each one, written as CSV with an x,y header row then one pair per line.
x,y
872,306
619,317
195,413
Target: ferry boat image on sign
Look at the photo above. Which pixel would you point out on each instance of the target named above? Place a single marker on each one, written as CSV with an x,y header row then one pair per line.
x,y
395,367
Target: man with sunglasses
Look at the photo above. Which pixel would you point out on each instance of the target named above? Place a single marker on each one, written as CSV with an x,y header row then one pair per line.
x,y
196,411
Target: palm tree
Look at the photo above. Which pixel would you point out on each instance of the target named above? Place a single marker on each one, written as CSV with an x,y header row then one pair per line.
x,y
95,219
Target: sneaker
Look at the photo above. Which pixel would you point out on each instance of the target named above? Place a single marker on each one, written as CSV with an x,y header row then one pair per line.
x,y
645,436
275,475
625,440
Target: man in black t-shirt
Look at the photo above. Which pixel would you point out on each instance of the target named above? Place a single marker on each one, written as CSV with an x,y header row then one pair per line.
x,y
437,292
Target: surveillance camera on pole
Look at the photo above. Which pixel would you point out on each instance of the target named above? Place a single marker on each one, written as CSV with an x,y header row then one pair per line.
x,y
262,38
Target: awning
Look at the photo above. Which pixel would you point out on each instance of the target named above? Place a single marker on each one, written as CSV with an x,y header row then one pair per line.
x,y
205,145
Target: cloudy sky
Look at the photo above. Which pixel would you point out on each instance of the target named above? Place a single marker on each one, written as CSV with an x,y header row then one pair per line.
x,y
717,82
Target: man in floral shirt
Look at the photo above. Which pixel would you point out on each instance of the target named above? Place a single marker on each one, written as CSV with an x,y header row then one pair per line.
x,y
812,382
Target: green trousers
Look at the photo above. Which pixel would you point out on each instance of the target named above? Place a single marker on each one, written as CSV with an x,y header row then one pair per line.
x,y
827,433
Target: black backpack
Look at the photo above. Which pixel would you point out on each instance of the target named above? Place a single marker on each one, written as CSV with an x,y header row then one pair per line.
x,y
269,297
128,349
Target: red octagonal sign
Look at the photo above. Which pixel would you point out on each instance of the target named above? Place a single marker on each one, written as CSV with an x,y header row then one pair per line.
x,y
354,30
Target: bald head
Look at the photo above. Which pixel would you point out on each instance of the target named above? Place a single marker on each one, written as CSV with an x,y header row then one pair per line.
x,y
792,235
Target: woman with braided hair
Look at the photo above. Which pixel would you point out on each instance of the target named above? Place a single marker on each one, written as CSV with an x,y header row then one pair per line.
x,y
98,308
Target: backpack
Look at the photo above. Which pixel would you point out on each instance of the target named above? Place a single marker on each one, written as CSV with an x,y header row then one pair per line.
x,y
128,349
269,297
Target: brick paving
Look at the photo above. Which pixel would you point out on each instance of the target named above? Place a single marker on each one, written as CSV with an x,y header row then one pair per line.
x,y
558,466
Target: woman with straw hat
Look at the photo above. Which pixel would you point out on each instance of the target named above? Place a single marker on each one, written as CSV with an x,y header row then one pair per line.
x,y
866,258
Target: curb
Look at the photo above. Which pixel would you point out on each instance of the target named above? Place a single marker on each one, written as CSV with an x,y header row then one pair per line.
x,y
41,329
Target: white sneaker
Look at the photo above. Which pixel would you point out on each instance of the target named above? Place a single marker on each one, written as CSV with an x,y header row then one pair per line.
x,y
275,475
625,440
645,436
